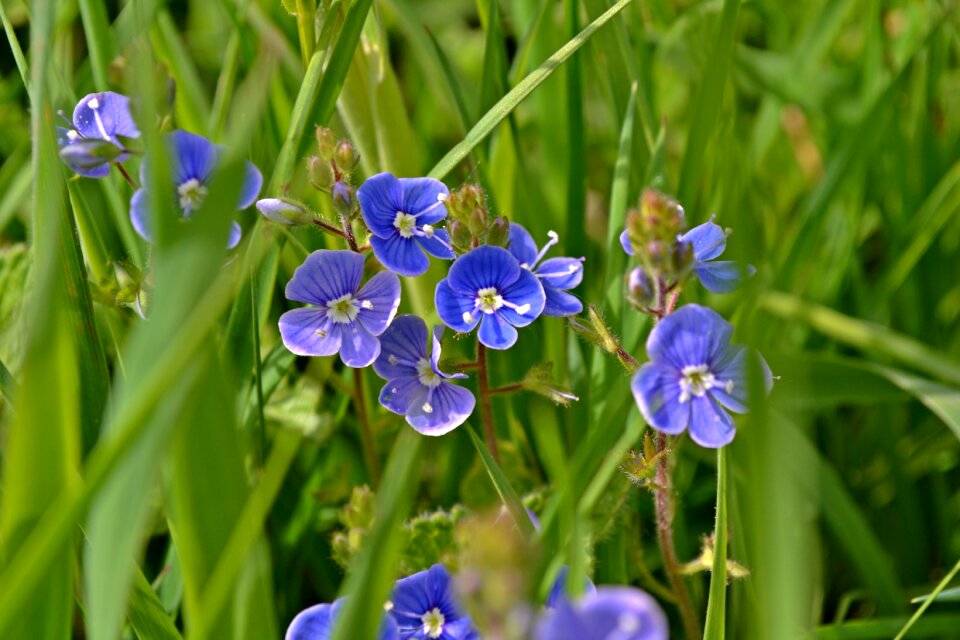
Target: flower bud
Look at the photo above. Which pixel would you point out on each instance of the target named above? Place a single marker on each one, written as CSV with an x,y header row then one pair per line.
x,y
460,235
89,153
641,292
477,222
326,143
681,258
346,157
285,212
320,172
465,200
499,232
343,198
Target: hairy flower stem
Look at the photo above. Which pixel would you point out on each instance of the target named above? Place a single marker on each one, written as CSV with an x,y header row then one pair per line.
x,y
486,412
507,388
663,501
329,228
366,433
126,176
348,234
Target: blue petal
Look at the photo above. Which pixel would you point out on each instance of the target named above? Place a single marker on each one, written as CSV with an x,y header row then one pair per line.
x,y
326,275
561,273
560,303
563,622
252,181
83,165
420,194
140,215
451,306
309,332
113,110
708,240
400,255
527,290
624,613
722,276
710,425
484,267
380,197
438,246
732,368
495,332
435,356
359,348
441,411
406,341
691,335
625,243
383,292
657,393
233,239
399,394
522,245
416,594
559,589
194,157
314,623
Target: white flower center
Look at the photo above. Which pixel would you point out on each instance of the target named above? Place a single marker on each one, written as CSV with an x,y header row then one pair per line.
x,y
426,374
489,300
697,379
191,194
343,310
405,223
433,621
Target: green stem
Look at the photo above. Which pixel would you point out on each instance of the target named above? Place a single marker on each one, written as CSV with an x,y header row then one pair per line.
x,y
366,433
663,501
258,374
486,411
306,17
716,604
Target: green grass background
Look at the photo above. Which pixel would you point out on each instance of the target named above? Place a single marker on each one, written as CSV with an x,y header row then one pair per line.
x,y
181,477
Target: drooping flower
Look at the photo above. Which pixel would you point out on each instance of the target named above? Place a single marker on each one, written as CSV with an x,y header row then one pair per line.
x,y
612,613
693,373
194,159
401,214
425,608
416,387
488,283
557,275
316,623
100,122
344,318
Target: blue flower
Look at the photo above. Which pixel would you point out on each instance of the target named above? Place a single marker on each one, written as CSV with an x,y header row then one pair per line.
x,y
316,623
401,214
194,160
424,607
100,120
558,592
488,283
342,319
557,275
416,387
693,373
612,613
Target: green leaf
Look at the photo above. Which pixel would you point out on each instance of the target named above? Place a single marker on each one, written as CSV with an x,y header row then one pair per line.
x,y
99,40
933,627
504,489
147,615
715,626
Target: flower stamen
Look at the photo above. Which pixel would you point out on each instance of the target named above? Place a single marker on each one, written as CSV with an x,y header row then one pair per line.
x,y
342,310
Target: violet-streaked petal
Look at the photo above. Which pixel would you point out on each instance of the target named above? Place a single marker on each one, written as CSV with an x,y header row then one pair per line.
x,y
623,613
309,332
562,622
656,391
710,425
721,276
399,394
560,304
708,240
525,291
420,194
560,273
438,246
233,239
418,593
326,275
379,300
380,197
358,348
495,332
400,255
690,336
625,243
252,182
313,623
453,306
484,267
442,411
522,245
731,373
113,111
404,342
194,157
140,215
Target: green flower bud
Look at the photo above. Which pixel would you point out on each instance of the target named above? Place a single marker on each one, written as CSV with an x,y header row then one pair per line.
x,y
499,232
326,143
346,157
320,172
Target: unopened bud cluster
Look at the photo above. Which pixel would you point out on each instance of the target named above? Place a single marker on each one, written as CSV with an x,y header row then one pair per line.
x,y
331,167
471,223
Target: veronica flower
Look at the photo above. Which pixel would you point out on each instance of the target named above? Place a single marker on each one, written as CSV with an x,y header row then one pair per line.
x,y
693,373
194,159
425,608
344,318
488,283
612,613
401,214
557,275
100,120
416,387
316,623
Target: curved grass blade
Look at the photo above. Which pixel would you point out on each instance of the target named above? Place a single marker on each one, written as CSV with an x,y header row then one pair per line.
x,y
715,626
504,489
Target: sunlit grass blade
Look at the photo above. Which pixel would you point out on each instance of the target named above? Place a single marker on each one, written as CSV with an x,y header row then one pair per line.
x,y
947,595
715,626
927,602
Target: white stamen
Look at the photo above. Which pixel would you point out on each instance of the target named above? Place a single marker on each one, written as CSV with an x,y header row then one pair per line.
x,y
428,408
405,223
72,135
522,309
343,310
467,317
191,193
554,239
388,605
392,359
489,300
321,333
696,381
93,104
433,622
366,304
428,230
442,197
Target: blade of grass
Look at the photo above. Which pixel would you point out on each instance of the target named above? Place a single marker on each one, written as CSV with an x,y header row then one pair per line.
x,y
927,602
192,103
715,626
99,40
15,48
504,489
147,615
